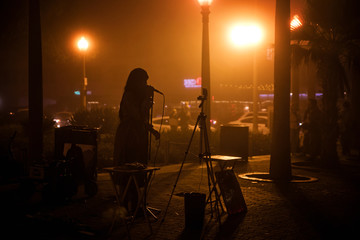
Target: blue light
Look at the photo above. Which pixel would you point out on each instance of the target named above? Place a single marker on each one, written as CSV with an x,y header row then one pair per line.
x,y
88,92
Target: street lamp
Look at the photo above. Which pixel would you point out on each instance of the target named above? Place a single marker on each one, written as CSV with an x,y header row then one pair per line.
x,y
83,45
244,36
205,65
295,22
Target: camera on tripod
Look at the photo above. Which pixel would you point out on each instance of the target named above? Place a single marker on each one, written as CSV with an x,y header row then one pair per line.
x,y
203,97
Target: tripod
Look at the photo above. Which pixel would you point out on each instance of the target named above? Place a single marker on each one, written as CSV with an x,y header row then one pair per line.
x,y
204,156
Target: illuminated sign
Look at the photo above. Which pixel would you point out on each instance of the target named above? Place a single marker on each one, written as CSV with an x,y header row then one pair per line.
x,y
78,92
192,82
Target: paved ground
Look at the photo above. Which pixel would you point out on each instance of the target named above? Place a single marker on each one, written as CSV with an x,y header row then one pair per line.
x,y
327,208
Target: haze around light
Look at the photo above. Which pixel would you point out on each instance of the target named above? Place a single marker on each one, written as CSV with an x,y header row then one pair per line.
x,y
246,34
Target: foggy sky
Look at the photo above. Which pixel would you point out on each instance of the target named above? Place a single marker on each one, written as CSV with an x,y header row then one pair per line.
x,y
161,36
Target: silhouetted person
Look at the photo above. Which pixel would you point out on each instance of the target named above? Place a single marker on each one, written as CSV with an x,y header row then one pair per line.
x,y
131,139
77,165
173,120
312,125
184,118
346,127
294,129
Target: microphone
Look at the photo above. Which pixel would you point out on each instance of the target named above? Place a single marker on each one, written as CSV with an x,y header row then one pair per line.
x,y
155,90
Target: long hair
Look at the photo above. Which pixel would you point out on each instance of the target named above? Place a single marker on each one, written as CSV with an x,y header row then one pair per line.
x,y
137,79
136,83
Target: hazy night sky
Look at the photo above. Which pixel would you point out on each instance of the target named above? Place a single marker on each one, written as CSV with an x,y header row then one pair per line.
x,y
161,36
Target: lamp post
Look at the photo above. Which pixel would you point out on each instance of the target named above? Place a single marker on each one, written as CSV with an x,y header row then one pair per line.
x,y
83,45
255,94
244,36
205,60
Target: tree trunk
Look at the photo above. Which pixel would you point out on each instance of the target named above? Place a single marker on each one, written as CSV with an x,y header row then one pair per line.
x,y
280,162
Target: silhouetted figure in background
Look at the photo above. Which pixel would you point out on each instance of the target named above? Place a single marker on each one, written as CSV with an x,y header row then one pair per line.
x,y
131,138
346,127
184,117
173,120
312,126
294,130
77,165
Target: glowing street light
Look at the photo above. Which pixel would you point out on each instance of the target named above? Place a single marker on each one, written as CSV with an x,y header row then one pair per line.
x,y
83,45
245,36
205,2
205,65
295,23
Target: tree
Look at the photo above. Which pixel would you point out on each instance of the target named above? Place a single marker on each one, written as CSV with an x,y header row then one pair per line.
x,y
280,162
329,38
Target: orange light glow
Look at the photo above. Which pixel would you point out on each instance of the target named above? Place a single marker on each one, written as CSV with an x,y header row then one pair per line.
x,y
245,35
205,2
295,23
83,44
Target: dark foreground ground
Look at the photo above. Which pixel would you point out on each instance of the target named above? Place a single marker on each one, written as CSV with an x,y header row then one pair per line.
x,y
327,207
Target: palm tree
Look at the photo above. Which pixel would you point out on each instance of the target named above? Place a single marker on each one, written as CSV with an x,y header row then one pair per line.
x,y
328,38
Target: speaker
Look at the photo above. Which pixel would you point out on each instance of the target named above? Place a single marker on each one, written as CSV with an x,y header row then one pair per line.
x,y
194,210
234,141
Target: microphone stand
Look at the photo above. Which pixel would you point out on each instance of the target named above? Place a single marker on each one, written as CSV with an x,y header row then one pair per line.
x,y
150,123
148,208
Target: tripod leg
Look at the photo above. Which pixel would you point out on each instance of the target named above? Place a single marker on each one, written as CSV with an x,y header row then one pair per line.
x,y
209,200
211,178
181,167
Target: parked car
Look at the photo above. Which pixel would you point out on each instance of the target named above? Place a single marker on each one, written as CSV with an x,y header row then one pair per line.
x,y
156,122
62,119
246,120
250,114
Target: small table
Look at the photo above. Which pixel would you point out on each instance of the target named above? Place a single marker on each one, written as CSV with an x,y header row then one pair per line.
x,y
120,195
224,161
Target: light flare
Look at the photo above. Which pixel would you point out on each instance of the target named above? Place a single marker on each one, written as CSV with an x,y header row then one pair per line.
x,y
83,44
295,23
245,35
205,2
